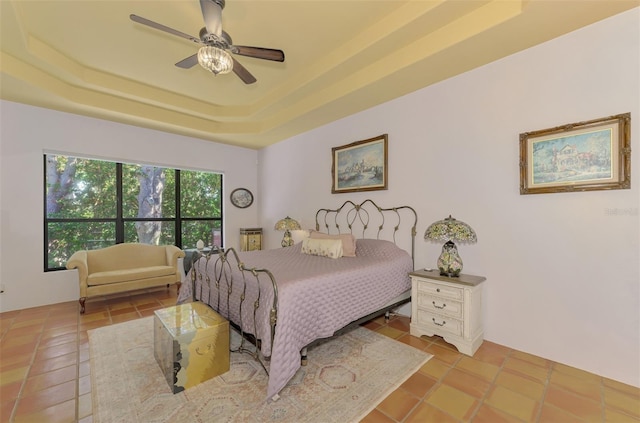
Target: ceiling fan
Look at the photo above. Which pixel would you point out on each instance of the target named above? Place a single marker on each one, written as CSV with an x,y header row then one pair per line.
x,y
216,43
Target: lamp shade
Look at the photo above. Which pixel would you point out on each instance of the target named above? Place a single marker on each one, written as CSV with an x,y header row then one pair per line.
x,y
450,231
287,224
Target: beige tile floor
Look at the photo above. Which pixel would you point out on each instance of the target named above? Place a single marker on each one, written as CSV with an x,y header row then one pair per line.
x,y
45,373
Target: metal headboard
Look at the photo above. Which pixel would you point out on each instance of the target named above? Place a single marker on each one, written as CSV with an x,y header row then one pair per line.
x,y
358,218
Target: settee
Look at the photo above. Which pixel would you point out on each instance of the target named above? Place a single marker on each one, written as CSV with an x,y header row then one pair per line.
x,y
125,267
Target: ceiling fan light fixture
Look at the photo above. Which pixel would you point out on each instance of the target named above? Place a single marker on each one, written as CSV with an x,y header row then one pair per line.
x,y
215,60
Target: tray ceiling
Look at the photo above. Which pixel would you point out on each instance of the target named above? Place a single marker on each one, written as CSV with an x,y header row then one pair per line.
x,y
89,58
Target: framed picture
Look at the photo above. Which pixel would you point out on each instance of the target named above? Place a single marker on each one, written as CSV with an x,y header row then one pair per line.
x,y
584,156
241,198
360,166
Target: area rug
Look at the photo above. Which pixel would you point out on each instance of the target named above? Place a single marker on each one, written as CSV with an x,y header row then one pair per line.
x,y
346,377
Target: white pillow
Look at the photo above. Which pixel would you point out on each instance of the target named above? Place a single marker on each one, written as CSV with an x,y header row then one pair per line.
x,y
348,241
331,248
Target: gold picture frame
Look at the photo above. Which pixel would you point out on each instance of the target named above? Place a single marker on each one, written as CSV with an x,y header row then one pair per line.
x,y
584,156
360,166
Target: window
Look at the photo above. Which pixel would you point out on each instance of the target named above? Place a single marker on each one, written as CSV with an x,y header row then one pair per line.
x,y
92,204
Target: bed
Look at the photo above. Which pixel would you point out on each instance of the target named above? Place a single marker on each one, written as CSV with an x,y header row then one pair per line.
x,y
287,299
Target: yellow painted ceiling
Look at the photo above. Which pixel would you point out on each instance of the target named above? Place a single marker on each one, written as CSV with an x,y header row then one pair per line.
x,y
87,57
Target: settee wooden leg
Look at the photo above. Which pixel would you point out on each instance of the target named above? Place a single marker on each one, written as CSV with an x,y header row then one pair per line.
x,y
81,301
178,285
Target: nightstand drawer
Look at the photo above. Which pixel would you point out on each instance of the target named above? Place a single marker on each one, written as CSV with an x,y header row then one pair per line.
x,y
439,290
439,305
440,323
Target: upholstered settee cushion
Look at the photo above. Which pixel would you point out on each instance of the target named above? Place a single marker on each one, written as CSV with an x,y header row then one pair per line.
x,y
127,275
126,256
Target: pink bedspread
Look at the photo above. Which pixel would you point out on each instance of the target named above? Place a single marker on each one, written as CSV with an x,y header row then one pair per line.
x,y
316,296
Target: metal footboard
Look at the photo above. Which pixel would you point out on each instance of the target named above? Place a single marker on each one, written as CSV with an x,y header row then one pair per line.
x,y
215,271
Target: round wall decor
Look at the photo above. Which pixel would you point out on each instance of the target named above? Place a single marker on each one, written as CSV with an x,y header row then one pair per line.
x,y
241,198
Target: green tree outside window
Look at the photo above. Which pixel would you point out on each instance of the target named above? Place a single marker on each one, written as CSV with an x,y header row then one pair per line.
x,y
92,204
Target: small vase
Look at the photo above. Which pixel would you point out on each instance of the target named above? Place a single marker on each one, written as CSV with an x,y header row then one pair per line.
x,y
449,262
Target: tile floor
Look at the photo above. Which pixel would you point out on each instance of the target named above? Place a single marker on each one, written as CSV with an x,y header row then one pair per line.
x,y
45,373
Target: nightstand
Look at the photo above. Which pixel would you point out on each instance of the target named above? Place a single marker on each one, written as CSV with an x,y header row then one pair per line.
x,y
450,307
250,239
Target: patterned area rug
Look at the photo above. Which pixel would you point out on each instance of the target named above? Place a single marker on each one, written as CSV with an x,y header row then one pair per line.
x,y
345,379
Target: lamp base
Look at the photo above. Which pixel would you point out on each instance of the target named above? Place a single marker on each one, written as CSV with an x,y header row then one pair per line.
x,y
287,241
449,262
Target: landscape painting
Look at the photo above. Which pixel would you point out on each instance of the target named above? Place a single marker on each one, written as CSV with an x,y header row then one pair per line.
x,y
582,157
360,166
576,157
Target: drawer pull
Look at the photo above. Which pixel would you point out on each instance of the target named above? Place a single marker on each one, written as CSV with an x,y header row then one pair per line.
x,y
437,306
437,289
439,324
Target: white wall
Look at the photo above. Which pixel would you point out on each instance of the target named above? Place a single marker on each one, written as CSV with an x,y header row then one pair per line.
x,y
27,132
562,269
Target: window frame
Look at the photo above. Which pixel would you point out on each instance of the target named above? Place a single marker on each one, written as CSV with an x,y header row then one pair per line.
x,y
120,220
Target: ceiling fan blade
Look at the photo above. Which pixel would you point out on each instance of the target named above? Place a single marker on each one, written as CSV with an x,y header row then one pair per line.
x,y
212,14
259,53
189,62
155,25
242,72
